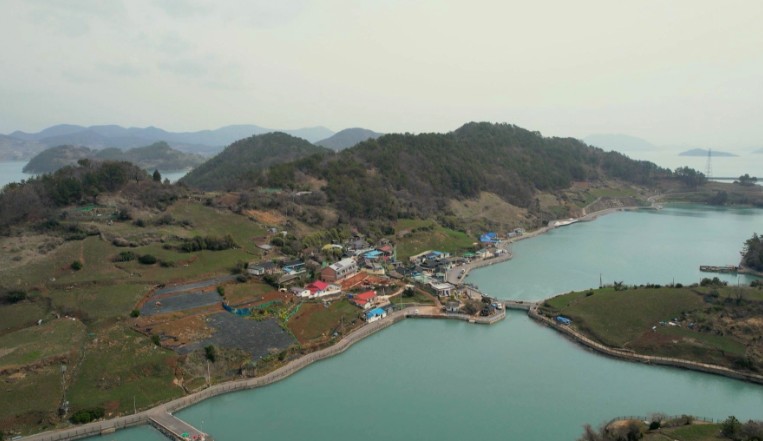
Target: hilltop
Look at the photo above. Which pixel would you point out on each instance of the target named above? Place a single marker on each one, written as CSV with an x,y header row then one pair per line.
x,y
156,156
245,157
348,138
405,175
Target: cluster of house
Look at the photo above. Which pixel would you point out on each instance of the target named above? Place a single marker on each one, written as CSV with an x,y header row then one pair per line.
x,y
358,257
429,268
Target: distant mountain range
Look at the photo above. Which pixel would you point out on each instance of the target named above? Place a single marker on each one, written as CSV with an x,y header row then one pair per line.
x,y
21,145
619,142
347,138
703,152
156,156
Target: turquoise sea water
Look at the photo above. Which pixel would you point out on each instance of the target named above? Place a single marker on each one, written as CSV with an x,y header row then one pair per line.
x,y
635,247
516,380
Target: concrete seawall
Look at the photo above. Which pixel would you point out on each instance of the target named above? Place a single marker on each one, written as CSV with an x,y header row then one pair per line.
x,y
647,359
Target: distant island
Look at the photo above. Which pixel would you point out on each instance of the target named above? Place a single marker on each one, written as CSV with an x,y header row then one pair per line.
x,y
703,152
157,156
22,145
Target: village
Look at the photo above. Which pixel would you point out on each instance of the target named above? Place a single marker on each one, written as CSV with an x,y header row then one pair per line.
x,y
280,307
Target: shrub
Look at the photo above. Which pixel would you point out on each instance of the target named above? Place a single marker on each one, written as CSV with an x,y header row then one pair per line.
x,y
139,223
76,265
731,427
15,296
135,313
221,290
125,256
654,425
85,416
210,353
156,340
213,243
147,259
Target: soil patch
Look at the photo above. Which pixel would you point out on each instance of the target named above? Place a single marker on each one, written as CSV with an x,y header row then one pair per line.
x,y
259,338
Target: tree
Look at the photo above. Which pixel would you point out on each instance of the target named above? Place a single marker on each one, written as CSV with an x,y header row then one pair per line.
x,y
211,353
157,176
76,265
752,254
747,180
731,428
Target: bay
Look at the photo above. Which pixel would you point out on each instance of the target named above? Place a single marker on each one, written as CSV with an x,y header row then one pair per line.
x,y
442,380
635,247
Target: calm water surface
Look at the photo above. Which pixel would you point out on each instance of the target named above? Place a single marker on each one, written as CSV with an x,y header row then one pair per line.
x,y
442,380
635,247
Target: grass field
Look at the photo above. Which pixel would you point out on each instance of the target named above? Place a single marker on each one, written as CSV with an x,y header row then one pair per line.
x,y
314,321
694,432
35,343
30,399
100,302
121,365
428,235
617,317
238,293
418,298
687,323
25,313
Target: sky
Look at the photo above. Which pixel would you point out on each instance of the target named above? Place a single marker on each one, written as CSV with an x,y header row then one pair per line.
x,y
670,71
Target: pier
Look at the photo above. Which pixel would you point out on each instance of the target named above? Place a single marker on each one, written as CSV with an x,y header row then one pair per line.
x,y
719,269
176,429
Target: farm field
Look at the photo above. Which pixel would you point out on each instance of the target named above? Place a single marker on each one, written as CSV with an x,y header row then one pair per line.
x,y
716,325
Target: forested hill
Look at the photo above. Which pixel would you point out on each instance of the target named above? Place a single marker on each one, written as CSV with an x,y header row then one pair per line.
x,y
155,156
405,175
37,198
248,156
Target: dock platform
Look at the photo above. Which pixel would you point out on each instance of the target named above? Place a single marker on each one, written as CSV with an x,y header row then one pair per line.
x,y
177,429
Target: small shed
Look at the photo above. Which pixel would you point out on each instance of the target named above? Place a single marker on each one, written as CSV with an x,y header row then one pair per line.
x,y
375,314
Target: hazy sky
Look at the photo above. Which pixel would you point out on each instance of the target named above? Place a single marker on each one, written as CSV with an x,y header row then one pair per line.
x,y
670,71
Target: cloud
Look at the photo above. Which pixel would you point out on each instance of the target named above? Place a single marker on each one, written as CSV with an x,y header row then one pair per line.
x,y
75,18
258,13
121,69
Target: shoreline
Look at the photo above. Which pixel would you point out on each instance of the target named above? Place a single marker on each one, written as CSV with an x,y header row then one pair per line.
x,y
621,354
144,417
454,277
292,367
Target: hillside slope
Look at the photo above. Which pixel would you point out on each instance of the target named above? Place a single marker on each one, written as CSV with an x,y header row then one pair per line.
x,y
247,157
405,175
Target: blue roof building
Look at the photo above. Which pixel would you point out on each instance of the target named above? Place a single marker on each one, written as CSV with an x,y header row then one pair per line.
x,y
375,314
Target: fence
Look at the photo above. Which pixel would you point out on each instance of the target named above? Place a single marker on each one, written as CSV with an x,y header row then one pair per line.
x,y
663,418
92,429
